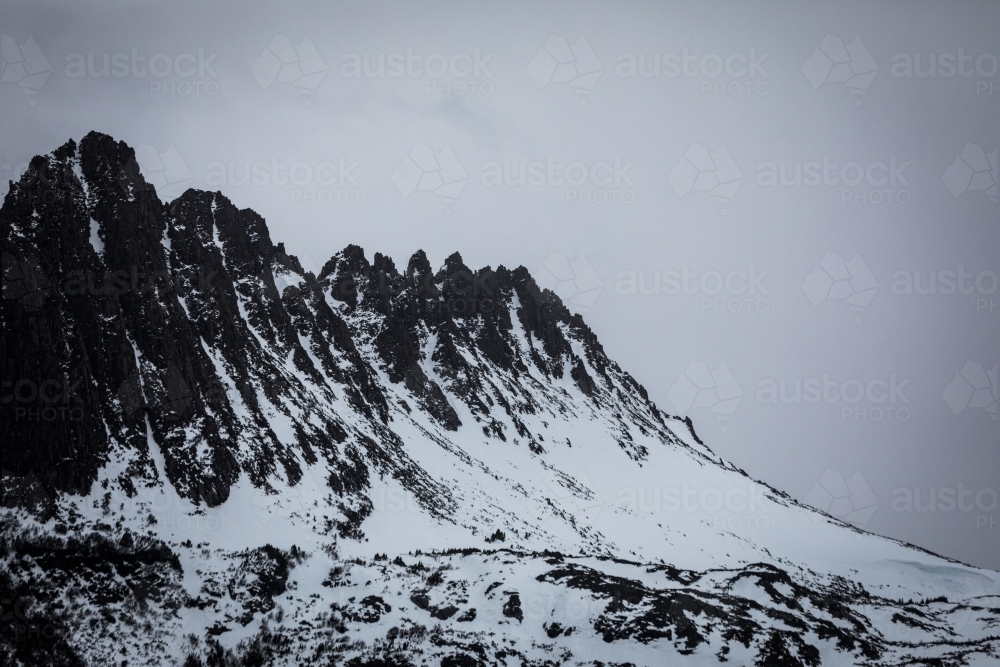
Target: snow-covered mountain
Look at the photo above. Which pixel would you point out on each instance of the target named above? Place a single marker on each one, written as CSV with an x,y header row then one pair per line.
x,y
215,457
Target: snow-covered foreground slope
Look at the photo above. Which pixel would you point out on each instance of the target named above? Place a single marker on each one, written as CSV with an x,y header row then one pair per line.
x,y
372,466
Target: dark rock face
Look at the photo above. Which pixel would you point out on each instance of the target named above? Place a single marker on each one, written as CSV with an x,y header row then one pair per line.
x,y
636,612
113,327
129,323
125,577
260,575
70,337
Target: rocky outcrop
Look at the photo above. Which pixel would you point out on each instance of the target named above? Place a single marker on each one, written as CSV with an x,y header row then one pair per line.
x,y
129,322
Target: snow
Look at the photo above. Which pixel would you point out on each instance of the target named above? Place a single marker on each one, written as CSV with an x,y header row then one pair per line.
x,y
95,239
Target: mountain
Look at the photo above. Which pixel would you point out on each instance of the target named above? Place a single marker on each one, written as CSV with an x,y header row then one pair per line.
x,y
215,457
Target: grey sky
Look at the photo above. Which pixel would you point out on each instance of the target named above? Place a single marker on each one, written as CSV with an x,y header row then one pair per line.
x,y
323,147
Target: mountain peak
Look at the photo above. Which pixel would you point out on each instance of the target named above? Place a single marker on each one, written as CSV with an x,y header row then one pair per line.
x,y
204,435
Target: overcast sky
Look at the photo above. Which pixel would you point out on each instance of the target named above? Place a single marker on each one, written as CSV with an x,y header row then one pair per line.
x,y
753,189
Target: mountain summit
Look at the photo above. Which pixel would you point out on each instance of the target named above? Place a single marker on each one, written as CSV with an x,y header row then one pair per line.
x,y
215,457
